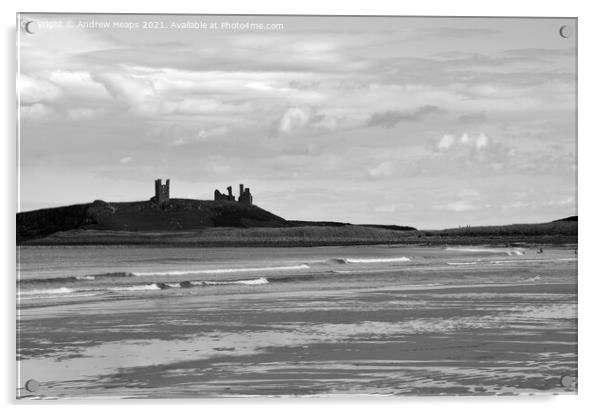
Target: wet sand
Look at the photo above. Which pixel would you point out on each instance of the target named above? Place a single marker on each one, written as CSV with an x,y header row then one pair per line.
x,y
466,338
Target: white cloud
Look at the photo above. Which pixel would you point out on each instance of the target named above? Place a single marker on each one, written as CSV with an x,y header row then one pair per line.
x,y
381,170
446,142
481,141
218,131
137,92
294,118
36,90
449,141
457,206
201,135
125,160
78,83
569,200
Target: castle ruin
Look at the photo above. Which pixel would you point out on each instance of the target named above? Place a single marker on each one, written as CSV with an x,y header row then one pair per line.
x,y
244,196
161,197
218,196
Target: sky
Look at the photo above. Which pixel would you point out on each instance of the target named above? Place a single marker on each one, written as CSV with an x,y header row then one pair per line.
x,y
428,122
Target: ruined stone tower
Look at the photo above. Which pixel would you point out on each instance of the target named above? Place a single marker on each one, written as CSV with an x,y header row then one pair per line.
x,y
218,196
161,197
245,196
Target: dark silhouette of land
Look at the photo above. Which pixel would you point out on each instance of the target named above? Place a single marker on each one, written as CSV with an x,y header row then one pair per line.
x,y
227,222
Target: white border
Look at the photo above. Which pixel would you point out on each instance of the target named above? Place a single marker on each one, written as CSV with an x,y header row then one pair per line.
x,y
589,153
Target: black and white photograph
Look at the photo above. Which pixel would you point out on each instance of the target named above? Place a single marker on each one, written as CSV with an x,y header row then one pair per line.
x,y
221,206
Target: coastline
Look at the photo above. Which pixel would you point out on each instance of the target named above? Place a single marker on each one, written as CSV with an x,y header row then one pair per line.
x,y
296,237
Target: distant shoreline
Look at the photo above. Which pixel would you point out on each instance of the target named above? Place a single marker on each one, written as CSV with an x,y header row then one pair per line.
x,y
295,237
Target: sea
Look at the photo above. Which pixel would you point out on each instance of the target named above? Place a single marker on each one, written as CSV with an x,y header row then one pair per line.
x,y
107,322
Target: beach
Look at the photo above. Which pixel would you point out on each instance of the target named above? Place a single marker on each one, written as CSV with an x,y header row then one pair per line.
x,y
145,322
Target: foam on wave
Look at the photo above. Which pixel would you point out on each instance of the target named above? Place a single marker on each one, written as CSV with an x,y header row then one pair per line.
x,y
223,270
462,263
513,251
62,290
145,287
371,260
256,281
61,280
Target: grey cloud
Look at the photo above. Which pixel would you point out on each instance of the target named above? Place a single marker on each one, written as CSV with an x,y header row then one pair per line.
x,y
390,118
473,117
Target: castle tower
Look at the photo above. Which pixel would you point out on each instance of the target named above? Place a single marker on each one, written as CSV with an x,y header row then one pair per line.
x,y
161,197
245,195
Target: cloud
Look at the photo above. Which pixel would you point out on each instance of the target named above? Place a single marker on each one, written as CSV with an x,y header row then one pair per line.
x,y
82,113
78,83
325,122
481,141
381,170
125,160
449,141
457,206
569,200
294,118
390,118
137,93
218,131
37,111
473,117
446,142
202,135
36,90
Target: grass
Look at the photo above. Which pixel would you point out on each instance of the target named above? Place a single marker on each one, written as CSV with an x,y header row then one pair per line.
x,y
535,234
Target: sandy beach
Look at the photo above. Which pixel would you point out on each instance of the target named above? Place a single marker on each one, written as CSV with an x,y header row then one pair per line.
x,y
326,321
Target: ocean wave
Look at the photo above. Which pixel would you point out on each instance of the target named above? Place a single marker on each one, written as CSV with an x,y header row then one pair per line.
x,y
513,251
76,278
369,260
462,263
223,270
256,281
62,290
145,287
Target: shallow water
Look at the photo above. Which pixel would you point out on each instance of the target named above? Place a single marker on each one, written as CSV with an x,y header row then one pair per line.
x,y
382,320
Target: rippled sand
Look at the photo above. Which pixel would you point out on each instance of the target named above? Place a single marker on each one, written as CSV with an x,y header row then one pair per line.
x,y
421,327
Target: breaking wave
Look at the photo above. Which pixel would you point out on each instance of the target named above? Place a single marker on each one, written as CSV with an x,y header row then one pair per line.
x,y
223,270
62,280
62,290
369,260
256,281
462,263
187,284
513,251
145,287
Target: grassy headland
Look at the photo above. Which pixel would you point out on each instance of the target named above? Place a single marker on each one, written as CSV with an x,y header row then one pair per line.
x,y
187,222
